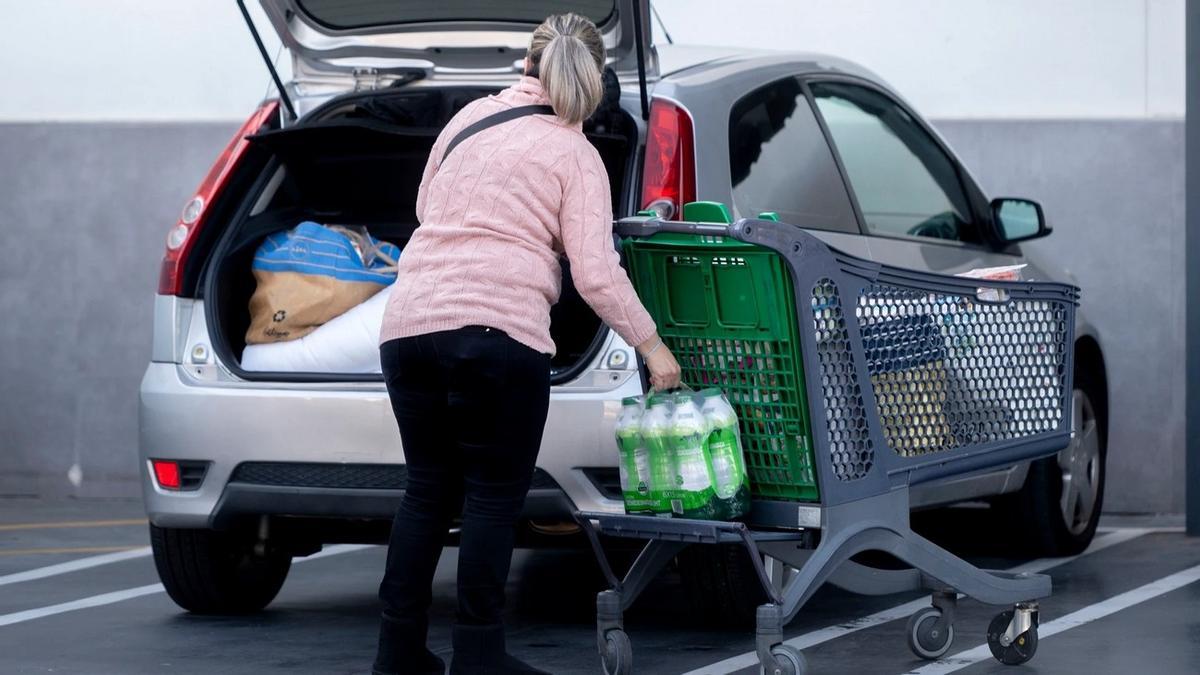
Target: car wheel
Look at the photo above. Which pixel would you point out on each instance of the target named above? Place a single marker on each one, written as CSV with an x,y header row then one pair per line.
x,y
208,572
1056,512
721,583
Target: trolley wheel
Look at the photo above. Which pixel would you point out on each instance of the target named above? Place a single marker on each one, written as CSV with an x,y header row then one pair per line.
x,y
617,657
787,661
925,639
1022,648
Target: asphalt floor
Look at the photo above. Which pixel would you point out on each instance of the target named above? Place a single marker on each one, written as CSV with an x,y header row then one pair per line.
x,y
79,594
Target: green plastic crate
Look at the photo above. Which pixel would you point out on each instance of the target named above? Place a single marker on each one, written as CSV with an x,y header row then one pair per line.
x,y
727,310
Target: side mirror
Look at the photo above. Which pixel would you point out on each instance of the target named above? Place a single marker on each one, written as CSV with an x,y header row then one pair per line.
x,y
1018,219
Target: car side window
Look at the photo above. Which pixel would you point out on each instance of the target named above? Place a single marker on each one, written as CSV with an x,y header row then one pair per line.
x,y
904,182
779,160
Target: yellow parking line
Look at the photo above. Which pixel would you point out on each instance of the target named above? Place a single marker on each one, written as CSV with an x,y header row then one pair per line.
x,y
69,549
71,523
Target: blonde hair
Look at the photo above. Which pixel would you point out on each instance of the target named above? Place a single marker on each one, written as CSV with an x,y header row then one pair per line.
x,y
567,54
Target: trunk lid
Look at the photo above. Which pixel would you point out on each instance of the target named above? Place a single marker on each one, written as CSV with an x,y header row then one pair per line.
x,y
445,37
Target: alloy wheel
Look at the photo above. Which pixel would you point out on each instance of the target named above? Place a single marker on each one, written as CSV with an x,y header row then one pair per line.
x,y
1080,464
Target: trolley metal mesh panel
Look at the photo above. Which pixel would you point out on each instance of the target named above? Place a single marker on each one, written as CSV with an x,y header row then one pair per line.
x,y
850,448
949,371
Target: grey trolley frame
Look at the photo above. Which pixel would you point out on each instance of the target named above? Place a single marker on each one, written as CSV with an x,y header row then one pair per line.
x,y
863,481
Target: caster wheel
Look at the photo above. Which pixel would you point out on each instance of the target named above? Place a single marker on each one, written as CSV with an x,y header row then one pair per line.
x,y
925,638
788,661
617,657
1021,650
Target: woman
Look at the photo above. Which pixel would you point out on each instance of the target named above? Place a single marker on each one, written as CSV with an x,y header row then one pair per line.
x,y
466,346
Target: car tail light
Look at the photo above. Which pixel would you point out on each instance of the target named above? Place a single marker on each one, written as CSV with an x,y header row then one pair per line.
x,y
669,179
179,474
181,237
167,474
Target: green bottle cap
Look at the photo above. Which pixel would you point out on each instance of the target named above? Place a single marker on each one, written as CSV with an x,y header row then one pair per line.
x,y
630,400
658,399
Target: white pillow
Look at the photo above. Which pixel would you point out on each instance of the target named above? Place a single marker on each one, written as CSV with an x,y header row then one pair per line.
x,y
348,343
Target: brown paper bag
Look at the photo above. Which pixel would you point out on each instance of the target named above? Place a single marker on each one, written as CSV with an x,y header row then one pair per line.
x,y
290,305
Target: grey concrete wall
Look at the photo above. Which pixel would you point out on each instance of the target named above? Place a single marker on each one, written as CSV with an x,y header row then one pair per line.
x,y
85,209
84,212
1114,193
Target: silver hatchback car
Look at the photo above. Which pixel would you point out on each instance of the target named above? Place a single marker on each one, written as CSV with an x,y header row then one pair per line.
x,y
242,470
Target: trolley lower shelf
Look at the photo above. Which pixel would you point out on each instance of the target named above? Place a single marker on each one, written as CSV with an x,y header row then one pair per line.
x,y
819,555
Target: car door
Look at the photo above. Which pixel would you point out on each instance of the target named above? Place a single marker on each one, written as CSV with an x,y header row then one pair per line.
x,y
918,207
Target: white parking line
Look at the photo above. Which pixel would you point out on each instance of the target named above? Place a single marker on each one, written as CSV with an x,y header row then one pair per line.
x,y
1077,618
334,550
816,637
93,601
130,593
74,565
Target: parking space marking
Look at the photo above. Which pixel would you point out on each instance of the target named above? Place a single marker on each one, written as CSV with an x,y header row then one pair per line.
x,y
131,593
71,524
85,603
1073,620
335,550
67,549
816,637
74,565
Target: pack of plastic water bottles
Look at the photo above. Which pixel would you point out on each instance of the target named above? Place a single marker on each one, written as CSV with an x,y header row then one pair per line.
x,y
681,455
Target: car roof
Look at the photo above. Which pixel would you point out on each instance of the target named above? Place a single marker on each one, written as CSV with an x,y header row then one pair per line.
x,y
688,64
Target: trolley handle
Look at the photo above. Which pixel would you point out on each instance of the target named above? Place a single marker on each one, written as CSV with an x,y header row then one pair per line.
x,y
763,232
645,226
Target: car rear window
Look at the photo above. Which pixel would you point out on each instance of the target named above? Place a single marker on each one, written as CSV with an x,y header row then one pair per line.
x,y
779,161
348,14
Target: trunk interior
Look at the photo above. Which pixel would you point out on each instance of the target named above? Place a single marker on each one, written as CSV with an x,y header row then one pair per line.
x,y
358,161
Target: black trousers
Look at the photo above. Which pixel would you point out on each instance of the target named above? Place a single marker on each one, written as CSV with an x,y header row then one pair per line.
x,y
471,406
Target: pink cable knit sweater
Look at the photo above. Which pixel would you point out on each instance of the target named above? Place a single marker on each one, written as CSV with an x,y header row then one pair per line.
x,y
496,216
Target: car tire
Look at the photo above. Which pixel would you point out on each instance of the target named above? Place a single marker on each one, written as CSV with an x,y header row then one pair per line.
x,y
1043,521
209,572
721,584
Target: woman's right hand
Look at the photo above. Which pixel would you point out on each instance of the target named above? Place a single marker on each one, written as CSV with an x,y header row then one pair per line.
x,y
664,369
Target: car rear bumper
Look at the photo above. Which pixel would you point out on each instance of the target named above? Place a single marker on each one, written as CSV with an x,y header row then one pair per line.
x,y
352,426
240,500
354,491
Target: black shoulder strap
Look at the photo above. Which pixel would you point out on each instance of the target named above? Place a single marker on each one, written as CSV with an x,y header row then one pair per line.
x,y
494,119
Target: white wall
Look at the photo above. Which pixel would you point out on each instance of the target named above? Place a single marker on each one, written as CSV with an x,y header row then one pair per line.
x,y
194,60
103,60
975,58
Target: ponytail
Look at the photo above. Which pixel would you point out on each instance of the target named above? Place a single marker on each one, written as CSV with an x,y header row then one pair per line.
x,y
567,54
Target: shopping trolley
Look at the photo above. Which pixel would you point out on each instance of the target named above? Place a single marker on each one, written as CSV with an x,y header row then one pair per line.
x,y
853,381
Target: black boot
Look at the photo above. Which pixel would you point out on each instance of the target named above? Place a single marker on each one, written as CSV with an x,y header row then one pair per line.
x,y
402,649
479,650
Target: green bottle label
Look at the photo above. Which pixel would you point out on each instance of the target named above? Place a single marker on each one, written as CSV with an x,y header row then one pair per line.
x,y
693,472
661,488
635,471
731,481
727,474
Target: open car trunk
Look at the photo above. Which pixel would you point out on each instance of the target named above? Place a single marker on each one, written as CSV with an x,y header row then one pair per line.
x,y
358,161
